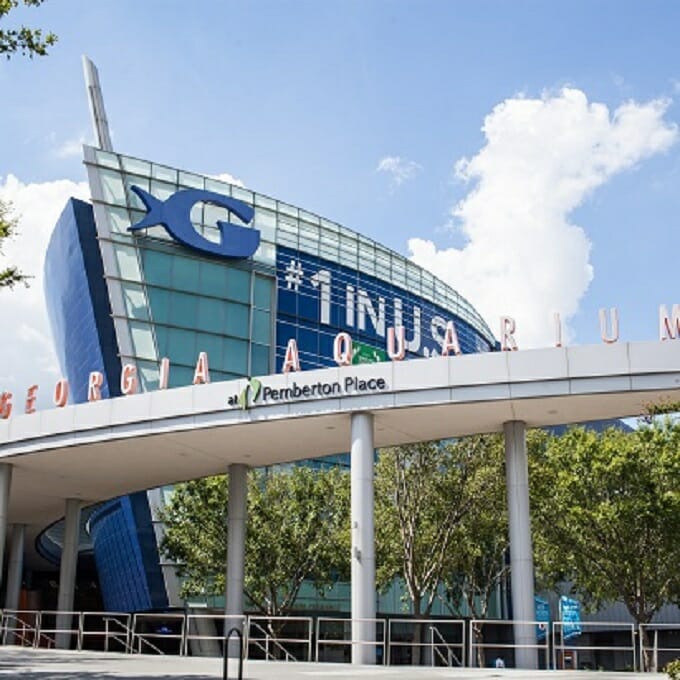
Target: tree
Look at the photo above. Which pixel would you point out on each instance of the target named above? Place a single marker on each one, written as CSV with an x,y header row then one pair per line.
x,y
9,276
606,515
298,529
28,41
423,493
477,565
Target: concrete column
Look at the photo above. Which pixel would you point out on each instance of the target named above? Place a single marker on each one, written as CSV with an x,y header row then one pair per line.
x,y
237,510
5,484
363,539
521,554
67,572
15,567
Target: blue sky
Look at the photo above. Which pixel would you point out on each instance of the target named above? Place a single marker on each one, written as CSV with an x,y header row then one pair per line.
x,y
303,100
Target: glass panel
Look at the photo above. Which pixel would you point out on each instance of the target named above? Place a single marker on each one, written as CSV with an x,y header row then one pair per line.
x,y
266,253
135,167
133,200
135,302
237,284
265,202
164,173
262,292
148,375
237,320
162,190
242,194
181,347
235,356
262,326
212,184
159,302
142,339
183,310
288,209
112,187
128,267
211,315
185,273
110,160
213,346
157,267
187,179
213,213
213,278
309,217
119,220
259,358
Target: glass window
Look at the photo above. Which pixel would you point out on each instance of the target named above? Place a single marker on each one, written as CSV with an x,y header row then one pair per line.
x,y
132,199
259,360
135,167
237,284
261,326
266,253
212,184
164,173
262,292
182,347
162,190
188,179
235,356
288,209
180,376
135,302
183,310
157,267
211,315
119,220
105,158
112,187
159,302
236,322
148,375
214,213
142,339
128,266
213,278
242,194
213,346
162,335
265,202
184,273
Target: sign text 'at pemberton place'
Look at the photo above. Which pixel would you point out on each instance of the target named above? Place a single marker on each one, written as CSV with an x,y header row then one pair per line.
x,y
257,392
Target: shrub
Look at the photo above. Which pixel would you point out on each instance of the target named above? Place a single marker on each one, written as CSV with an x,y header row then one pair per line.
x,y
673,669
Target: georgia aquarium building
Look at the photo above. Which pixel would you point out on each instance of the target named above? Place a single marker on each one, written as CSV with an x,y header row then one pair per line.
x,y
215,268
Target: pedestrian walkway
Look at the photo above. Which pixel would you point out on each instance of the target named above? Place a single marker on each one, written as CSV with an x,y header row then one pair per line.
x,y
42,664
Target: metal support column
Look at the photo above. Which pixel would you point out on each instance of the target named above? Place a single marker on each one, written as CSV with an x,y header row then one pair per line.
x,y
237,510
15,567
5,484
363,540
67,573
521,554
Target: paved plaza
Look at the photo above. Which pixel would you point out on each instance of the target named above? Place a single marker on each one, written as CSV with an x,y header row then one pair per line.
x,y
39,664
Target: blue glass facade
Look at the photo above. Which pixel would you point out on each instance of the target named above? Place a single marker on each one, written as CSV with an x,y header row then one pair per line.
x,y
118,298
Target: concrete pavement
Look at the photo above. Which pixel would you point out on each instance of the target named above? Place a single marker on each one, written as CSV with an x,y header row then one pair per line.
x,y
42,664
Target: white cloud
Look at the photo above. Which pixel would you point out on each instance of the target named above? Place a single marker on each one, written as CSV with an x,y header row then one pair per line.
x,y
541,159
26,353
400,169
71,148
229,179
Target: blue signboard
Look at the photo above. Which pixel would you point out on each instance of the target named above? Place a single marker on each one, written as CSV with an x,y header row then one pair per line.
x,y
317,299
542,616
570,615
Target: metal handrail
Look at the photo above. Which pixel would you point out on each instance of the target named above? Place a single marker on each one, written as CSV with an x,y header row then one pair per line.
x,y
222,618
655,649
538,645
350,642
307,620
269,638
449,646
144,637
14,614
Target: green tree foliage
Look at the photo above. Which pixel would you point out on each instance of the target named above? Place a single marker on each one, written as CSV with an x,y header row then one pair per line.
x,y
424,493
606,515
29,41
476,565
9,276
298,529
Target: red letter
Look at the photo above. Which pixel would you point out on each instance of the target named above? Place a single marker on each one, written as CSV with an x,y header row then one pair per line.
x,y
5,405
202,374
164,374
450,343
508,341
342,349
30,399
61,393
291,361
128,379
94,384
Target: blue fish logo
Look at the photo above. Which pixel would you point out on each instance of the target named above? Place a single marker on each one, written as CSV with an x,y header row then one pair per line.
x,y
175,215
